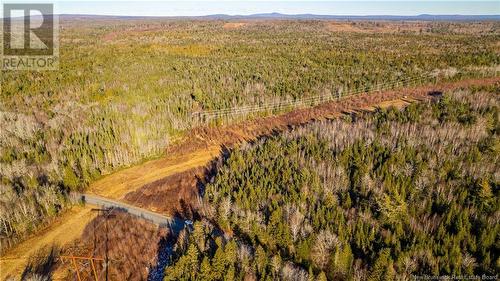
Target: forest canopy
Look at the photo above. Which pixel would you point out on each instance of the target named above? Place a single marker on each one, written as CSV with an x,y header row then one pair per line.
x,y
126,88
396,193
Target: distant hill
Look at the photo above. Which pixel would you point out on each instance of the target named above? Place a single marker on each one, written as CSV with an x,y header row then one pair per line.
x,y
423,17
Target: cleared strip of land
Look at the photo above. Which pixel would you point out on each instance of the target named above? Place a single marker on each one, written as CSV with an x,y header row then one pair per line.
x,y
198,148
116,185
70,225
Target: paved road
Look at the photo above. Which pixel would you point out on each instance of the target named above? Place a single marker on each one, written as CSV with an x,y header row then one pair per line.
x,y
175,224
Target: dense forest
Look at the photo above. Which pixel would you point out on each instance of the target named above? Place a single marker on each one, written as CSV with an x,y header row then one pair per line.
x,y
127,88
396,193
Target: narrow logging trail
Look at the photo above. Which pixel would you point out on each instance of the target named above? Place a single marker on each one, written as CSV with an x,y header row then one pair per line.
x,y
173,179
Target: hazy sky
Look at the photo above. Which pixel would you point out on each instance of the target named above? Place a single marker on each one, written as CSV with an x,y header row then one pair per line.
x,y
196,8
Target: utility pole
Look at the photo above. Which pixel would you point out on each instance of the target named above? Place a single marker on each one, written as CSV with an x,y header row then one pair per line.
x,y
94,242
75,266
108,214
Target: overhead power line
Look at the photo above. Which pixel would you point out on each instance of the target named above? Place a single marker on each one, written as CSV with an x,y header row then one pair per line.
x,y
207,115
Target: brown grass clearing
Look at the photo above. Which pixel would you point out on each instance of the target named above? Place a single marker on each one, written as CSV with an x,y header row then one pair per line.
x,y
65,229
196,149
178,193
234,25
116,185
375,27
133,245
172,195
229,135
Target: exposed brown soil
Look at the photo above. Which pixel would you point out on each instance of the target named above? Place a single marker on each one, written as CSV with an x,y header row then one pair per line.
x,y
204,137
175,177
118,184
172,195
178,193
132,248
234,25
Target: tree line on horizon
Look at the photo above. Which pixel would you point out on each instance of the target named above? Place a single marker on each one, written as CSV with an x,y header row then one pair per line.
x,y
126,89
